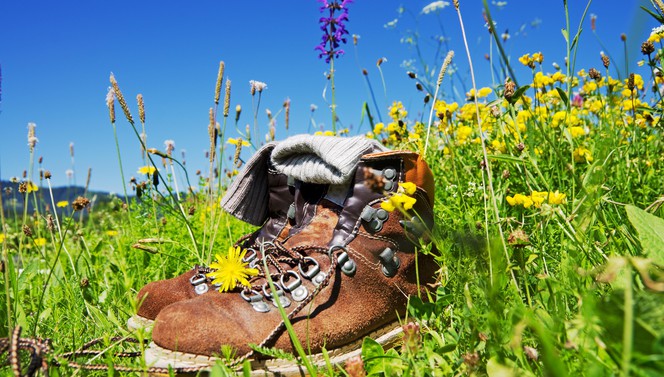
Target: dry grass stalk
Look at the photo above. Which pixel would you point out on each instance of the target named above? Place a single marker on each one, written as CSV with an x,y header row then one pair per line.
x,y
220,77
121,100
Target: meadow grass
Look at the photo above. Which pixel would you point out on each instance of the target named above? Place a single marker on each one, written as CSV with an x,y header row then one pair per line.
x,y
549,232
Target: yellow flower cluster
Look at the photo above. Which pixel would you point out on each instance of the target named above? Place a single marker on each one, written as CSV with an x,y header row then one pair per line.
x,y
402,199
530,60
536,199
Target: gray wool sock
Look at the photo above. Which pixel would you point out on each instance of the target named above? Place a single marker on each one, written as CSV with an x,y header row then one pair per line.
x,y
248,196
322,159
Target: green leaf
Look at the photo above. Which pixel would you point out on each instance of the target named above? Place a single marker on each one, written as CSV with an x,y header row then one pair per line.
x,y
563,96
274,353
656,16
518,93
419,309
495,369
371,349
650,229
565,34
508,158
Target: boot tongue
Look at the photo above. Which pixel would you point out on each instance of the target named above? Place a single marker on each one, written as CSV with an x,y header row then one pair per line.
x,y
322,159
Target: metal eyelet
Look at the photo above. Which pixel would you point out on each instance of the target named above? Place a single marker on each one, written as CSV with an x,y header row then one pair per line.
x,y
374,218
256,301
348,266
312,272
390,262
298,291
250,256
199,281
285,302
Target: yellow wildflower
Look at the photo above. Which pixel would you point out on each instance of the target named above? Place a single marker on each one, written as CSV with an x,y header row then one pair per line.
x,y
582,154
538,57
237,141
111,233
576,131
463,133
538,197
378,128
31,187
408,187
41,241
525,59
148,170
397,111
590,86
519,199
557,198
230,270
2,237
401,198
541,80
558,77
62,204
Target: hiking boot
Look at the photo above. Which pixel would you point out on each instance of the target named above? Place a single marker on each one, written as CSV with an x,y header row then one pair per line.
x,y
344,272
277,196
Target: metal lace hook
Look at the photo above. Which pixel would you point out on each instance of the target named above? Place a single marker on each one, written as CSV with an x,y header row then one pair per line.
x,y
348,266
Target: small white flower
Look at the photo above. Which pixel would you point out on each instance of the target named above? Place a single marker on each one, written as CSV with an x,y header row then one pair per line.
x,y
170,146
435,6
657,30
392,24
257,86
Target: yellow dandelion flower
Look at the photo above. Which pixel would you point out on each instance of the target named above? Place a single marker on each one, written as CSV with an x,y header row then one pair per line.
x,y
238,141
41,241
230,270
62,204
147,170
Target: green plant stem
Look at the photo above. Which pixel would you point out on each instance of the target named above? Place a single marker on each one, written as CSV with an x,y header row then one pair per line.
x,y
289,327
628,322
333,107
487,164
124,185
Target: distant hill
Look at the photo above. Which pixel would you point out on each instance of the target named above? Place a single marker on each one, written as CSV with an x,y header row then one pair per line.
x,y
12,200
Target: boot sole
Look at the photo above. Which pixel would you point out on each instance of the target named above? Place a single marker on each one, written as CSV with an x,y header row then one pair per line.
x,y
156,356
137,322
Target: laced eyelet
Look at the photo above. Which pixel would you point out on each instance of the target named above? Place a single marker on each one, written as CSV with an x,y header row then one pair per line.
x,y
298,291
279,295
348,266
312,271
256,301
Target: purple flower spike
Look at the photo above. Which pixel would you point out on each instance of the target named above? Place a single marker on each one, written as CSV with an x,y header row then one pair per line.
x,y
333,27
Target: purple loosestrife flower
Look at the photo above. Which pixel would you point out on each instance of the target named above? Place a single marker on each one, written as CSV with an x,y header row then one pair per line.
x,y
334,28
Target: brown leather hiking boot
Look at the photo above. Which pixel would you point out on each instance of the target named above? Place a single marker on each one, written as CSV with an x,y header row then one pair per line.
x,y
345,272
278,195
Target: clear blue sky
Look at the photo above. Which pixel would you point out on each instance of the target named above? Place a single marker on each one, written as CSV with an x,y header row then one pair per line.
x,y
56,57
